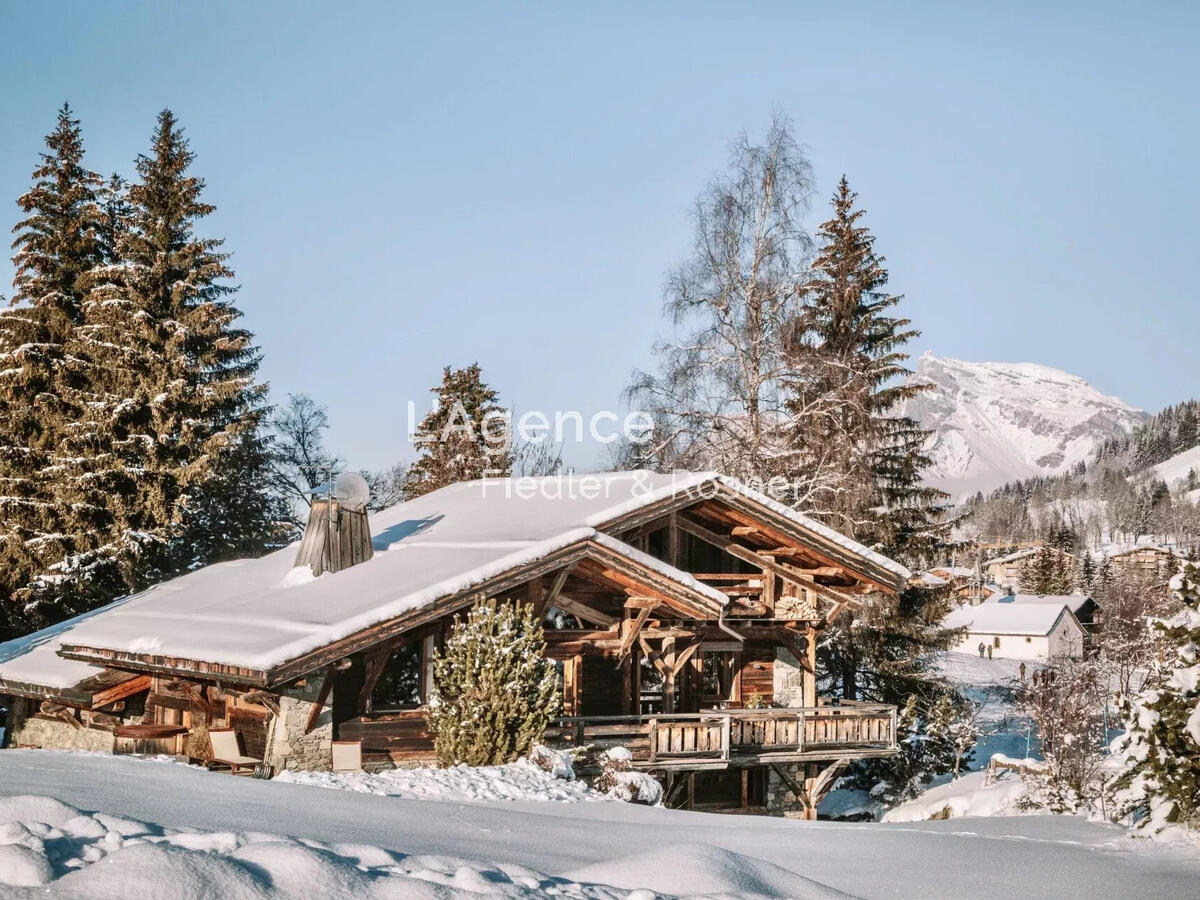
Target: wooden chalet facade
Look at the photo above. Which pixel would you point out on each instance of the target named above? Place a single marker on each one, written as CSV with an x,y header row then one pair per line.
x,y
684,621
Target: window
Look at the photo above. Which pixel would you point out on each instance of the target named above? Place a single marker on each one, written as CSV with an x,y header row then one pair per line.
x,y
399,686
717,677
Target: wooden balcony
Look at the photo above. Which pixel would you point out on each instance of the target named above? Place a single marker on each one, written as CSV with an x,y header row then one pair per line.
x,y
724,739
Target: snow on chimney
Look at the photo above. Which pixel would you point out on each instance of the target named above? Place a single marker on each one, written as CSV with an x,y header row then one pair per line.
x,y
337,535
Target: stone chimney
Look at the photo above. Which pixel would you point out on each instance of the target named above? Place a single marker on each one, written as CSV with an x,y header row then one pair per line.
x,y
337,535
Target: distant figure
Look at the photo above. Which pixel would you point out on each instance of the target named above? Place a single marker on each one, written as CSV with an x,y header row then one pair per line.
x,y
1022,671
981,649
989,649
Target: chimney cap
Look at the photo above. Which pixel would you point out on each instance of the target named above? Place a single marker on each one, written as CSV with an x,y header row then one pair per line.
x,y
350,490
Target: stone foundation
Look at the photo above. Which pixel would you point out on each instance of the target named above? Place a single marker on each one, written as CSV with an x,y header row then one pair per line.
x,y
780,799
289,747
51,734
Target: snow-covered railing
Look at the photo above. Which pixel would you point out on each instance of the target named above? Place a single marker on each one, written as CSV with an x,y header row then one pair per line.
x,y
721,737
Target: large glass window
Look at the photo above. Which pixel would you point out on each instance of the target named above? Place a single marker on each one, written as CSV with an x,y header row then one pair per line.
x,y
399,686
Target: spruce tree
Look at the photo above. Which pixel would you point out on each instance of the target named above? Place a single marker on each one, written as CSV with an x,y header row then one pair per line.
x,y
58,242
1160,751
166,459
465,437
847,343
495,691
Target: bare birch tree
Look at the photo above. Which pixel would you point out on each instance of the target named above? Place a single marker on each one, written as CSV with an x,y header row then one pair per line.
x,y
716,397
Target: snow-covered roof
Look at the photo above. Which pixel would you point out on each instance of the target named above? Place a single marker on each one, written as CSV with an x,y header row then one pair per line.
x,y
1112,550
1073,602
1034,619
260,613
1012,557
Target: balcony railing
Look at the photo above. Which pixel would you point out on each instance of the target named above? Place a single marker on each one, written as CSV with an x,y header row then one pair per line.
x,y
723,738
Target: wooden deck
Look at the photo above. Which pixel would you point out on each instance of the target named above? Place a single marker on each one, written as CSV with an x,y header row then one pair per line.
x,y
724,739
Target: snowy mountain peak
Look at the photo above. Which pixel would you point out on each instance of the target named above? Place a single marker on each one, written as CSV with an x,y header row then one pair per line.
x,y
996,422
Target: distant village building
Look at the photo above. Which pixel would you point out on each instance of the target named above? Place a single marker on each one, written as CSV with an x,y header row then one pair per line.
x,y
1081,606
1019,630
1146,561
1009,571
664,596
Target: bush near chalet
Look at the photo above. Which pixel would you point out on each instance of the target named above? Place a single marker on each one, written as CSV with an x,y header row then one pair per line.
x,y
1159,783
494,690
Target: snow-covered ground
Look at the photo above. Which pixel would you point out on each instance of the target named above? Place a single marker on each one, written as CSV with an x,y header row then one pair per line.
x,y
206,834
1176,469
521,780
970,795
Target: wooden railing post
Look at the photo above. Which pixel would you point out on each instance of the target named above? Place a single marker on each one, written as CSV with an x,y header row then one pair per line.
x,y
653,740
726,736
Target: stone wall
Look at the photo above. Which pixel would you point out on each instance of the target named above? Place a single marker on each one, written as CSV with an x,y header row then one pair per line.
x,y
52,734
289,747
789,679
780,799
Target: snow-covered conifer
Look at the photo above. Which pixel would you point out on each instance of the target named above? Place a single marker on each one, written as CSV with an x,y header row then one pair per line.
x,y
57,243
1160,751
495,691
466,436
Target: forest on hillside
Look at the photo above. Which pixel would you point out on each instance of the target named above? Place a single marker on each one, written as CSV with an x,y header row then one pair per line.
x,y
1117,497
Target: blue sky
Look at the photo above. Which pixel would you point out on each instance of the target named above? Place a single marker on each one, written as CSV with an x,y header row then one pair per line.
x,y
407,186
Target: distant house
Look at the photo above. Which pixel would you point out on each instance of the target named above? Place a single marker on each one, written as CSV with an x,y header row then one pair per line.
x,y
1151,561
1008,570
963,582
1019,630
1081,606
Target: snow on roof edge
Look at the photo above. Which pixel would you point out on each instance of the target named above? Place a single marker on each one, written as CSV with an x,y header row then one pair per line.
x,y
830,534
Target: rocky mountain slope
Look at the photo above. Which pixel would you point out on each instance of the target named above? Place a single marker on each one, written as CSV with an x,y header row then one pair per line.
x,y
999,422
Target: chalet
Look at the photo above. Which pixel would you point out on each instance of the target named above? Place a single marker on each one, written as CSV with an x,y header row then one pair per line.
x,y
1019,630
682,611
1146,561
1008,570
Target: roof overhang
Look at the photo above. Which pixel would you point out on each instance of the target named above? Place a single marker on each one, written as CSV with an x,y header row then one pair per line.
x,y
619,563
864,569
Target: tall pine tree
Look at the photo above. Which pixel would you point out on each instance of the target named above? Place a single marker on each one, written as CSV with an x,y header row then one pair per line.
x,y
58,242
847,343
167,458
466,436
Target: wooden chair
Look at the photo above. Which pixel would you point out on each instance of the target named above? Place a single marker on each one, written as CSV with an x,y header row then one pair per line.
x,y
226,752
347,756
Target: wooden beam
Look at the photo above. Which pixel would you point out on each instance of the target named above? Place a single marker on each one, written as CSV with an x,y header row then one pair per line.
x,y
744,530
584,612
322,696
655,659
134,685
641,602
270,701
674,542
631,634
684,655
555,589
764,562
376,662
